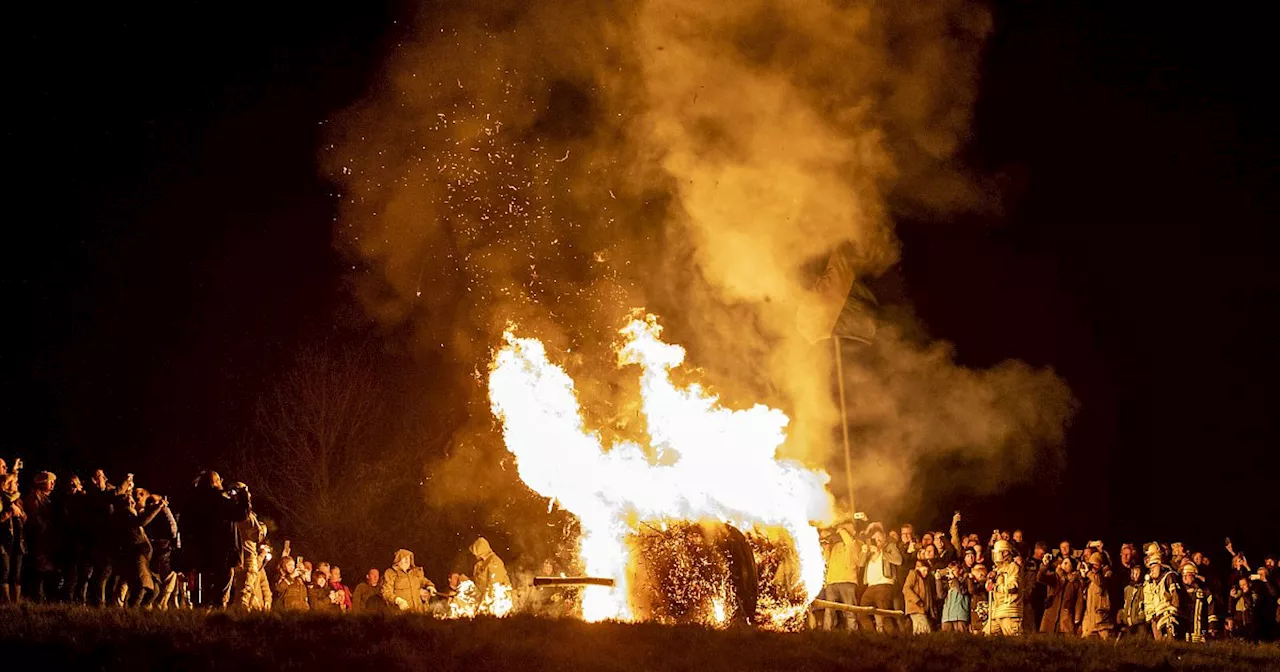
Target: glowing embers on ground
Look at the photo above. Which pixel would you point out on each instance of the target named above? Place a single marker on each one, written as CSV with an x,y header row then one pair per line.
x,y
710,465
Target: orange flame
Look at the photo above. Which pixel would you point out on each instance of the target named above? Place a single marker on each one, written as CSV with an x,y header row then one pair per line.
x,y
708,462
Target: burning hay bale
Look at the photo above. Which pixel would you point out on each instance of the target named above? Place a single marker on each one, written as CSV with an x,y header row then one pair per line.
x,y
714,574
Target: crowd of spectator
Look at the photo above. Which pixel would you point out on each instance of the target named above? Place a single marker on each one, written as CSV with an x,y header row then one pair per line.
x,y
946,580
103,544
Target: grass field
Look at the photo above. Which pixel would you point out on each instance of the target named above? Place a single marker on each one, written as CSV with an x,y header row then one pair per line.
x,y
80,639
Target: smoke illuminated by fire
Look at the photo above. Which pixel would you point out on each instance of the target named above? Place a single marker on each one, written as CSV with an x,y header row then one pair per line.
x,y
702,462
554,163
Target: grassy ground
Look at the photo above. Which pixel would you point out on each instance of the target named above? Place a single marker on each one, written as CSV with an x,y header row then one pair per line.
x,y
80,639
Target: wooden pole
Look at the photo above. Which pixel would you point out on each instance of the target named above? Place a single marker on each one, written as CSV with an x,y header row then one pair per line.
x,y
840,606
844,422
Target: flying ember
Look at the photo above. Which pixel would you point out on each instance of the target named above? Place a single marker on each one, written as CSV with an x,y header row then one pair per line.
x,y
706,468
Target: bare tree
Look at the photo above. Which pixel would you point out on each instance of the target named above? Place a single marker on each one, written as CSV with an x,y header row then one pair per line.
x,y
310,458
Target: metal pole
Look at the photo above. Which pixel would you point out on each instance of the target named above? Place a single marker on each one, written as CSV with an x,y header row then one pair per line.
x,y
844,422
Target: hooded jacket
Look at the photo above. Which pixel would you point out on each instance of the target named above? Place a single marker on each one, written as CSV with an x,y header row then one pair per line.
x,y
489,570
1098,614
955,606
403,584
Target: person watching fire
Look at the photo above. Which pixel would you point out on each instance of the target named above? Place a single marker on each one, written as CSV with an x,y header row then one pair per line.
x,y
843,551
1004,586
403,582
879,568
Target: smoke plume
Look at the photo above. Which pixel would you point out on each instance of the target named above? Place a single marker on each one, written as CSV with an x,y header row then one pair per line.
x,y
559,163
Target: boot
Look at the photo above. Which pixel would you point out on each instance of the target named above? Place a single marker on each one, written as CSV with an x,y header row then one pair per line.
x,y
4,594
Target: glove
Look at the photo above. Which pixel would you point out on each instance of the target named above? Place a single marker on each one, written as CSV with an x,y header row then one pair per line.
x,y
402,603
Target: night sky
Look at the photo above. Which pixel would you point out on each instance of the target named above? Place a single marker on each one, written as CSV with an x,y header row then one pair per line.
x,y
169,243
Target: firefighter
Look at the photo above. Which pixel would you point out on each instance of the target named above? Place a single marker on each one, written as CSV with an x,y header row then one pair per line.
x,y
1004,585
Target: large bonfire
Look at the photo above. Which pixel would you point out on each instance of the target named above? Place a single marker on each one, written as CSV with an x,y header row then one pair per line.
x,y
704,466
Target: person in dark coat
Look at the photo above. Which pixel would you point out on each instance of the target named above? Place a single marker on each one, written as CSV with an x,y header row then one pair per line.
x,y
71,503
41,569
100,500
162,531
133,562
322,596
211,544
1064,608
13,546
291,588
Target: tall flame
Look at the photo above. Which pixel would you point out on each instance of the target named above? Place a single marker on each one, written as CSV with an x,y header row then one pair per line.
x,y
706,463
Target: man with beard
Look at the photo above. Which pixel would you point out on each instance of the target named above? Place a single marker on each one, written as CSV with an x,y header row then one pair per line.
x,y
879,569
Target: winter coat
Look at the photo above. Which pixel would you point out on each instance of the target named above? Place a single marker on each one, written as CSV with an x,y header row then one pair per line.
x,y
918,591
366,598
97,521
406,585
210,540
321,599
1033,595
955,606
489,570
41,531
346,594
1064,607
73,511
251,534
291,594
1098,615
163,533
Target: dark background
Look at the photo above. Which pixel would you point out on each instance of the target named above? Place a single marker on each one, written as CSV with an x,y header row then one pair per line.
x,y
168,244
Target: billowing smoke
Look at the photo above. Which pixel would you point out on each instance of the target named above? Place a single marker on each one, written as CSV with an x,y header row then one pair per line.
x,y
558,163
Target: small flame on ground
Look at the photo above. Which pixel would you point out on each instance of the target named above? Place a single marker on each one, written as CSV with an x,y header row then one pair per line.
x,y
468,603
